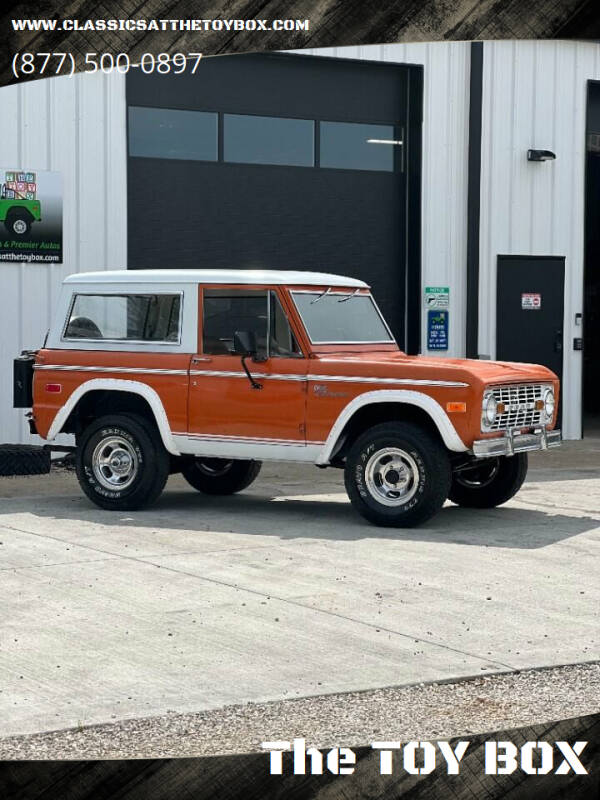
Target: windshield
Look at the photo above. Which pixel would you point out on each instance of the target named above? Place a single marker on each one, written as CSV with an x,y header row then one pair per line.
x,y
341,317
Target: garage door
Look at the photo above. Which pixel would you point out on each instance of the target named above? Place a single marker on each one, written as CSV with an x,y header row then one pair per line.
x,y
280,162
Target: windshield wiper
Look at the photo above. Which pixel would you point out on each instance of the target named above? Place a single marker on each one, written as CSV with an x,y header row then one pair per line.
x,y
320,296
349,296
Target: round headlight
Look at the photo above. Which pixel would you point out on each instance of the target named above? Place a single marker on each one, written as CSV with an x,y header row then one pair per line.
x,y
549,403
490,408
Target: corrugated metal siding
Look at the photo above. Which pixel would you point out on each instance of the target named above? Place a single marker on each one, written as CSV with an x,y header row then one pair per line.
x,y
445,150
534,96
75,126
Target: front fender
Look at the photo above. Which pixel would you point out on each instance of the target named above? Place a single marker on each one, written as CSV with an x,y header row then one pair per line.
x,y
434,410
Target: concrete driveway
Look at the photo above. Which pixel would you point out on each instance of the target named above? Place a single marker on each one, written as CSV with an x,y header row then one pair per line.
x,y
283,591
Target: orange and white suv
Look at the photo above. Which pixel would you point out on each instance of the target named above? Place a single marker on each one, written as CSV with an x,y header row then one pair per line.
x,y
210,372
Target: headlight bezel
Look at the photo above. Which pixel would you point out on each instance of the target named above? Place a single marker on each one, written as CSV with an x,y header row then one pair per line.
x,y
489,401
549,392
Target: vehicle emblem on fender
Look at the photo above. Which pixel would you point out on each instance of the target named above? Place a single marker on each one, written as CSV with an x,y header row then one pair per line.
x,y
321,390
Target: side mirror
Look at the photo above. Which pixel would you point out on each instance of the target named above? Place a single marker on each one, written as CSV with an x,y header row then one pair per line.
x,y
244,343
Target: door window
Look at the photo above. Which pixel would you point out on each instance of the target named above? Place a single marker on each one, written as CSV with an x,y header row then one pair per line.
x,y
255,310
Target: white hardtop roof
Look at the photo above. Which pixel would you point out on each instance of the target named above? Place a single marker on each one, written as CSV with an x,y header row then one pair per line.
x,y
241,276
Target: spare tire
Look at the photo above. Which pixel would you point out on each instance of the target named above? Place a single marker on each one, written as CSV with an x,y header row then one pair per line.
x,y
24,459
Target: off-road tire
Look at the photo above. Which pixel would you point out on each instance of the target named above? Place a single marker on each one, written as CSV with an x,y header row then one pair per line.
x,y
490,484
18,216
220,476
428,470
21,459
141,439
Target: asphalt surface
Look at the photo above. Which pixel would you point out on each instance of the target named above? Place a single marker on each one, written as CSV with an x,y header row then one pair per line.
x,y
201,604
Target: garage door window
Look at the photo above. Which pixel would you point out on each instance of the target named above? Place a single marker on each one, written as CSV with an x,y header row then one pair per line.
x,y
346,145
251,139
166,133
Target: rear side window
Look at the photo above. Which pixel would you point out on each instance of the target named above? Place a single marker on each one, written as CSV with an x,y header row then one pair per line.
x,y
126,317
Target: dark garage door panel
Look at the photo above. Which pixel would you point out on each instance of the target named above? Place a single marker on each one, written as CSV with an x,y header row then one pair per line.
x,y
246,216
216,214
279,85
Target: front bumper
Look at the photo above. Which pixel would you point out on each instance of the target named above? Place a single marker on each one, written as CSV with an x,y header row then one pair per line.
x,y
514,442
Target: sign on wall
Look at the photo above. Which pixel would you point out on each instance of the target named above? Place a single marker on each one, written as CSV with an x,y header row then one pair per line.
x,y
437,330
437,296
30,215
531,301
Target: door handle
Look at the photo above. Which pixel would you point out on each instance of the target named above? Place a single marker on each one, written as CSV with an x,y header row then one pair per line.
x,y
558,341
200,359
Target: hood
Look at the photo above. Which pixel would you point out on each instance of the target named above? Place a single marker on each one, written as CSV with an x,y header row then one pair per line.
x,y
398,364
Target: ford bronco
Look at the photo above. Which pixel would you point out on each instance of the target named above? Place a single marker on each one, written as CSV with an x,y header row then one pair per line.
x,y
210,372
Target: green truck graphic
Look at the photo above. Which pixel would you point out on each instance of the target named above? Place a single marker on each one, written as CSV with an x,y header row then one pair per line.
x,y
19,206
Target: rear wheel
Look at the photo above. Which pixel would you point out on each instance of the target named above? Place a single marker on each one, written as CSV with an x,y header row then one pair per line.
x,y
490,482
397,475
220,475
121,462
18,223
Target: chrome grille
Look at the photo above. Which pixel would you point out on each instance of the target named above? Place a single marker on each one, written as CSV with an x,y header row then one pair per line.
x,y
520,406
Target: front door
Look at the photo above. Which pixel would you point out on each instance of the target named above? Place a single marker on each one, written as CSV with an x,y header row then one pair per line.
x,y
530,310
228,416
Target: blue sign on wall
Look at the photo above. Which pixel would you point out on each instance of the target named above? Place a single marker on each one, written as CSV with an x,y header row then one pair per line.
x,y
437,330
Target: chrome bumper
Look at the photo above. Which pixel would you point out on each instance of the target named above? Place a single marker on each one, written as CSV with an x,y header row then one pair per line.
x,y
513,442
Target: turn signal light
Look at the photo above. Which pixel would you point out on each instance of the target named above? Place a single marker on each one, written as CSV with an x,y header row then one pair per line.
x,y
454,408
54,388
539,405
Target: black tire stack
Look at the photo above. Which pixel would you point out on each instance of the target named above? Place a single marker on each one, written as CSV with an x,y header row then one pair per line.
x,y
21,459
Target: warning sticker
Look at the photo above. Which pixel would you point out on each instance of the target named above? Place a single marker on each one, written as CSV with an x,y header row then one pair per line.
x,y
531,301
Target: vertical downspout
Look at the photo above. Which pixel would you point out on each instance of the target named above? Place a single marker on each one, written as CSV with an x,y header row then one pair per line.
x,y
473,198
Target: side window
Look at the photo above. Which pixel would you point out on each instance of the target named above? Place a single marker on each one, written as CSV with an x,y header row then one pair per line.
x,y
229,310
130,317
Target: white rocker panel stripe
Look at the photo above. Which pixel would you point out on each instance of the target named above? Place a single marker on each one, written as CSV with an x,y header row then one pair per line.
x,y
113,384
266,450
244,439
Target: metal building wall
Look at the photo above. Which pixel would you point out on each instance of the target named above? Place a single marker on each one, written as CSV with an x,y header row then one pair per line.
x,y
75,126
445,151
534,96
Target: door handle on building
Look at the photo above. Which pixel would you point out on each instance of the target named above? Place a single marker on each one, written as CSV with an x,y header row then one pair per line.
x,y
558,342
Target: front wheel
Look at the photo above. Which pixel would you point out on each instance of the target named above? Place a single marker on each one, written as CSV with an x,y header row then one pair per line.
x,y
397,475
490,482
121,462
220,475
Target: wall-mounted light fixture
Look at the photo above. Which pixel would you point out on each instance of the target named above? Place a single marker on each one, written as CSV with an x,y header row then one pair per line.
x,y
385,141
540,155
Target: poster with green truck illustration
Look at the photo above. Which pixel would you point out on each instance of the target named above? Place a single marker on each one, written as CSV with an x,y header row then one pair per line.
x,y
30,215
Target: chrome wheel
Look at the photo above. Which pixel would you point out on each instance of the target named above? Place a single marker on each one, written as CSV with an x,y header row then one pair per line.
x,y
115,463
392,476
19,227
213,467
